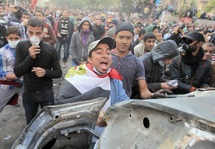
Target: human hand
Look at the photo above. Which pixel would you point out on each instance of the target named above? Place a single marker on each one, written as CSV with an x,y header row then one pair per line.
x,y
40,72
58,34
176,30
34,50
161,93
165,85
100,121
173,84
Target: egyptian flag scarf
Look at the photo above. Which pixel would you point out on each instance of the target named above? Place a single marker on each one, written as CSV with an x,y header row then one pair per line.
x,y
83,83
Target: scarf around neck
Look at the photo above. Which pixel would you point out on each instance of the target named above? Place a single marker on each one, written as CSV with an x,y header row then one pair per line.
x,y
112,73
85,34
193,61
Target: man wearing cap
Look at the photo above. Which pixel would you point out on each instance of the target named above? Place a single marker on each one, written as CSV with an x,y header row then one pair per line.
x,y
189,68
102,81
130,67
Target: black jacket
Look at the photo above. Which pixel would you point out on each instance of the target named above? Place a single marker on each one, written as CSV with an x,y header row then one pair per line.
x,y
98,31
188,76
47,59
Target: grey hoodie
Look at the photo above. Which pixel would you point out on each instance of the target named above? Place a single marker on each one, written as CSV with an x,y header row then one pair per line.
x,y
79,51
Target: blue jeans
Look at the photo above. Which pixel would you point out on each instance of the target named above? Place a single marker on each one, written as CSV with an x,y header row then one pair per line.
x,y
33,99
66,45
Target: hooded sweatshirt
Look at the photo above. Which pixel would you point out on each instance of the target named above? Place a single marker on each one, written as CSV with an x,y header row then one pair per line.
x,y
80,43
154,71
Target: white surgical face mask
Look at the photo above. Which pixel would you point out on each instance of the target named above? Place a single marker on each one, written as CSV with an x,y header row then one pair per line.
x,y
13,43
57,14
209,37
34,40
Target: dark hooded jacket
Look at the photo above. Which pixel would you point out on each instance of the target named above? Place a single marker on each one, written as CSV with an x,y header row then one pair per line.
x,y
153,69
79,51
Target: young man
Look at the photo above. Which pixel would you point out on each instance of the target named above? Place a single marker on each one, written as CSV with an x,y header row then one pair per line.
x,y
10,85
38,62
25,17
129,66
98,27
141,34
189,68
103,81
64,34
154,63
80,42
146,46
49,35
209,50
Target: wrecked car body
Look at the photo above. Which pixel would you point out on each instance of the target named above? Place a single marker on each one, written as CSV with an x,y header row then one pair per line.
x,y
182,122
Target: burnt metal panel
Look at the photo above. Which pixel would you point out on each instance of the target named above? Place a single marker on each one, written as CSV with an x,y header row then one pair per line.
x,y
185,122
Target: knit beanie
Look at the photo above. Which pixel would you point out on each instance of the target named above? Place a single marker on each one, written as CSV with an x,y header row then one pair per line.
x,y
124,26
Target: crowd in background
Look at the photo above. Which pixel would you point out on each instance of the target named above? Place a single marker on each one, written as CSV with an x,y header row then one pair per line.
x,y
153,56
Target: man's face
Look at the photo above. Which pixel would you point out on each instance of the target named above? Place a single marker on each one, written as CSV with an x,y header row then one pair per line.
x,y
208,51
98,20
167,61
35,31
194,45
149,44
39,16
25,19
15,9
123,41
156,32
159,37
85,25
207,36
65,14
137,30
101,58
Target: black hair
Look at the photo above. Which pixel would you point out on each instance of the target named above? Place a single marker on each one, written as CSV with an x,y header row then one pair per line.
x,y
138,25
149,36
142,31
35,22
26,13
207,31
90,54
40,11
155,27
13,30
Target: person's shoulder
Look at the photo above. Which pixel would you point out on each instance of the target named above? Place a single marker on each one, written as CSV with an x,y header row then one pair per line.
x,y
23,43
75,33
138,46
116,82
46,45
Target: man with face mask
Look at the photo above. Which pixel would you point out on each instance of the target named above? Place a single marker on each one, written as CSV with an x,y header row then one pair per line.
x,y
38,62
189,68
10,85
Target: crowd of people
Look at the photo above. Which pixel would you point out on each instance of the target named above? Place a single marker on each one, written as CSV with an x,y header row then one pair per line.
x,y
118,57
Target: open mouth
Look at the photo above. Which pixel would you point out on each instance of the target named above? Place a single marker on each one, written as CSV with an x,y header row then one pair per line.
x,y
104,63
